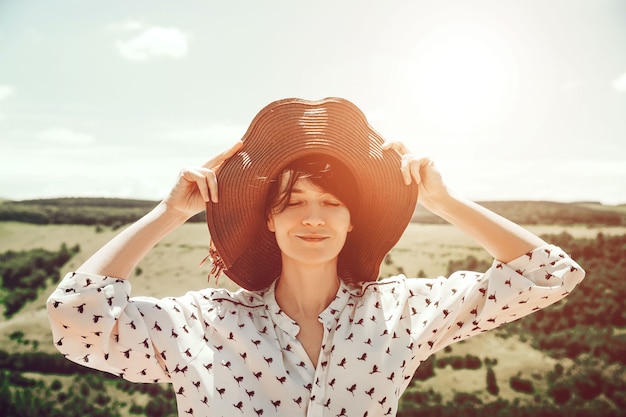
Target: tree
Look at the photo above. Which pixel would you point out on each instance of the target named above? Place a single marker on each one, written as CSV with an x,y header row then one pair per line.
x,y
492,383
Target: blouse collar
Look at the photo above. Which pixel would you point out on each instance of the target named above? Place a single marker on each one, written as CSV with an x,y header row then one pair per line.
x,y
329,316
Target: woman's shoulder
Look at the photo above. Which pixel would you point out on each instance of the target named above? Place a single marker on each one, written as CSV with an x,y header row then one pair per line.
x,y
396,284
400,284
240,297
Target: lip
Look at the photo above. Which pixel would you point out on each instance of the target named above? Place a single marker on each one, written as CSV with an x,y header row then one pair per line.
x,y
312,237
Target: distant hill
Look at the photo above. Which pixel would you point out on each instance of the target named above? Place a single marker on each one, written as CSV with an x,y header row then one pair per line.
x,y
87,211
89,202
119,211
546,212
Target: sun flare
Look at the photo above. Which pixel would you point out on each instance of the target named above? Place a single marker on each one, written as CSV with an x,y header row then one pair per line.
x,y
464,78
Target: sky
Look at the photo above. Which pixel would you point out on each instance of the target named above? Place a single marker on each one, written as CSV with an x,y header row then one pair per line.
x,y
514,100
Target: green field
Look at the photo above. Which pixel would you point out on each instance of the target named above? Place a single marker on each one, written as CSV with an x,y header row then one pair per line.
x,y
173,267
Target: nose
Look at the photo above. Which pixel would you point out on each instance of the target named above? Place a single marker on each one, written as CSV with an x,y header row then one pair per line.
x,y
313,216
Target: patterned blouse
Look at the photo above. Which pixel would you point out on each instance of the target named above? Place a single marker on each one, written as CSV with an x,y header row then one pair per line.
x,y
236,353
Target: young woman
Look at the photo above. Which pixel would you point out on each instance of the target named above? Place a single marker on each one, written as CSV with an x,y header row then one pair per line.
x,y
309,203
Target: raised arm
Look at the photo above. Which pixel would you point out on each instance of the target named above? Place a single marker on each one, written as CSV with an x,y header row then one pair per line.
x,y
194,187
502,238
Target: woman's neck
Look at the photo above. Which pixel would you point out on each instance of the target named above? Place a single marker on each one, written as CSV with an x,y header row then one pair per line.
x,y
304,292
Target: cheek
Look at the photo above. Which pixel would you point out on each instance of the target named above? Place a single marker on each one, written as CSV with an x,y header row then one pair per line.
x,y
346,219
280,221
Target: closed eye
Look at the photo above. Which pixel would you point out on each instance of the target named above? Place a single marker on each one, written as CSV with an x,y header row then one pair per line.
x,y
333,203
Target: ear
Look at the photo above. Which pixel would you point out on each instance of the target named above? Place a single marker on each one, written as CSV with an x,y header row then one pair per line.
x,y
350,227
270,224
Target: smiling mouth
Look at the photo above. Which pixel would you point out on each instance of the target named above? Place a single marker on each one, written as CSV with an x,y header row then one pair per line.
x,y
308,238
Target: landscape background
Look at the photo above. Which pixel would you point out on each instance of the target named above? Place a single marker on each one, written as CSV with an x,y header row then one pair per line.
x,y
516,99
567,360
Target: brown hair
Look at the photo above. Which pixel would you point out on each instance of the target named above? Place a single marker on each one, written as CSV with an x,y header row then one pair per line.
x,y
325,172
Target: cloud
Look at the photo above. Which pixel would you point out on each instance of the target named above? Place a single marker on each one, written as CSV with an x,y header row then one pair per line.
x,y
155,42
66,137
619,84
6,91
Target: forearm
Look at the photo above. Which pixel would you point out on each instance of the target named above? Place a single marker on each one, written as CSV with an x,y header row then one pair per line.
x,y
502,238
121,255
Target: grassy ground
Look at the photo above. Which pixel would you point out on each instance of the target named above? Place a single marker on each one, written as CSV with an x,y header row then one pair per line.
x,y
173,267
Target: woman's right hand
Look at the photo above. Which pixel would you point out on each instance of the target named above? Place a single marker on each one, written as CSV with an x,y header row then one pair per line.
x,y
196,186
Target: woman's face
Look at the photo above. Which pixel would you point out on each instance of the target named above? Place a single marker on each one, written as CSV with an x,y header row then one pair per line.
x,y
312,228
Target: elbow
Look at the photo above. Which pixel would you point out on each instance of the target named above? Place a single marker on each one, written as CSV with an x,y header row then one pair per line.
x,y
578,272
53,303
572,275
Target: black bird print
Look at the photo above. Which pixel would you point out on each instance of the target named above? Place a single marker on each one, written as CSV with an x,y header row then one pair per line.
x,y
397,319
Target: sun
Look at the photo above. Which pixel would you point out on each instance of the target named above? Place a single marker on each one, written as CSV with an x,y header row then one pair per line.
x,y
464,78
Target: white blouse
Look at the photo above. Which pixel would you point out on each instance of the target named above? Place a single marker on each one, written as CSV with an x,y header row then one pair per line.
x,y
236,353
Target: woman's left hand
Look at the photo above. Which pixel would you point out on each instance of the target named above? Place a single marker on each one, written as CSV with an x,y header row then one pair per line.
x,y
422,170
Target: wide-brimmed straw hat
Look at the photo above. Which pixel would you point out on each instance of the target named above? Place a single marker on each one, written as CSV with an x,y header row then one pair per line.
x,y
282,132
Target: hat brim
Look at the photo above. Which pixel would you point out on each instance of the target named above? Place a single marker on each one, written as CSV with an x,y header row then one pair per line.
x,y
283,132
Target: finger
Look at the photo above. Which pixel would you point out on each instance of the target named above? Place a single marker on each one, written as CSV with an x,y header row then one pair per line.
x,y
415,167
205,182
406,170
209,183
217,160
194,178
397,146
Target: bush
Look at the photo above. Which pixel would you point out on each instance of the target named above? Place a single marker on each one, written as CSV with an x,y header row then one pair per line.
x,y
560,393
17,379
463,398
522,385
160,407
471,263
491,362
425,370
460,362
84,390
24,273
492,383
428,398
102,399
17,335
472,362
588,383
56,385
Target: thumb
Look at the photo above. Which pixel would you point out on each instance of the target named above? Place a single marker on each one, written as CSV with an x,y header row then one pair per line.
x,y
218,159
